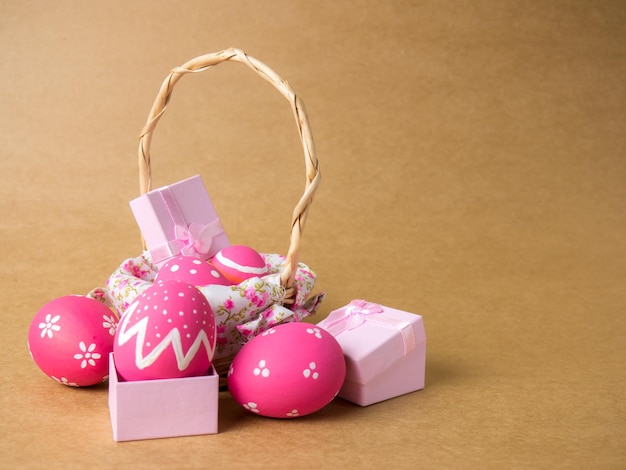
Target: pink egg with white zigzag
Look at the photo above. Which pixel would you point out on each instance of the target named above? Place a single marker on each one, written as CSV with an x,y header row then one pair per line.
x,y
168,332
70,339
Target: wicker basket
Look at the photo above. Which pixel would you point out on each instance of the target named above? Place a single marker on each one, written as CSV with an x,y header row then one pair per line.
x,y
289,281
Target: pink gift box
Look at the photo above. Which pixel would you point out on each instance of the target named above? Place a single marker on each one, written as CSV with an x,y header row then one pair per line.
x,y
152,409
385,351
179,219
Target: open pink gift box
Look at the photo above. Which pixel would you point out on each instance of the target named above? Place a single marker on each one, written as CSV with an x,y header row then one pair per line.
x,y
385,351
151,409
179,219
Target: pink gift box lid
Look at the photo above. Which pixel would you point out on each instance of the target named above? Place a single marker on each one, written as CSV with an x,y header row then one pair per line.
x,y
374,337
166,216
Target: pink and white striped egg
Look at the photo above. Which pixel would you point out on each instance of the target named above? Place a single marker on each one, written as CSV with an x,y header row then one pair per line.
x,y
167,332
70,339
239,262
290,370
191,270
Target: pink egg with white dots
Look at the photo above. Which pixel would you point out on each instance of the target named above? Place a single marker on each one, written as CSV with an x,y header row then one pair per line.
x,y
191,270
291,370
70,339
239,262
167,332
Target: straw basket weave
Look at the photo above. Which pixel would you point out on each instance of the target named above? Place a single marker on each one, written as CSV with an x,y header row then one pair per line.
x,y
289,281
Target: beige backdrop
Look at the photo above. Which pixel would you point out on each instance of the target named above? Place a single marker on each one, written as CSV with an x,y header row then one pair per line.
x,y
473,161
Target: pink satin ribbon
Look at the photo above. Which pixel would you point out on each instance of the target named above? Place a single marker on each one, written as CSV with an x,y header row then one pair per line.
x,y
197,238
359,312
188,239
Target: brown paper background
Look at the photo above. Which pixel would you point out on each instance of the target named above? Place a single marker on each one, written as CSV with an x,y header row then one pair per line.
x,y
473,161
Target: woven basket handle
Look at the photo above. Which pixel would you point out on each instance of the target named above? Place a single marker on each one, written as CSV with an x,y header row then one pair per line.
x,y
301,210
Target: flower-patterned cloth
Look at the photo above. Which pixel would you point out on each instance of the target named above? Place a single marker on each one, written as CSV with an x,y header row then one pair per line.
x,y
242,311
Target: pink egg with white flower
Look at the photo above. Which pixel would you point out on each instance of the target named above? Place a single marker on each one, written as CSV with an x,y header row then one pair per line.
x,y
168,332
239,262
70,339
290,370
191,270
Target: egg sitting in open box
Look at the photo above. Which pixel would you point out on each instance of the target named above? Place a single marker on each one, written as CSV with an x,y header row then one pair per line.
x,y
167,332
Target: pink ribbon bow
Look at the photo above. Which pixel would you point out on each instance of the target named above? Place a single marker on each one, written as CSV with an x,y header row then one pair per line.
x,y
197,238
359,312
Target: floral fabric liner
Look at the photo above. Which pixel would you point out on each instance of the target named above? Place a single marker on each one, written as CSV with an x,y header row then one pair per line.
x,y
242,311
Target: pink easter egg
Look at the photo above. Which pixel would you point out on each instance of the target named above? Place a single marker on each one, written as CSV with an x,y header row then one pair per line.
x,y
70,339
191,270
238,263
291,370
167,332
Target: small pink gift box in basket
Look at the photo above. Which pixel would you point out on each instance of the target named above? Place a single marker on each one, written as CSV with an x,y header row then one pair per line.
x,y
179,219
385,351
